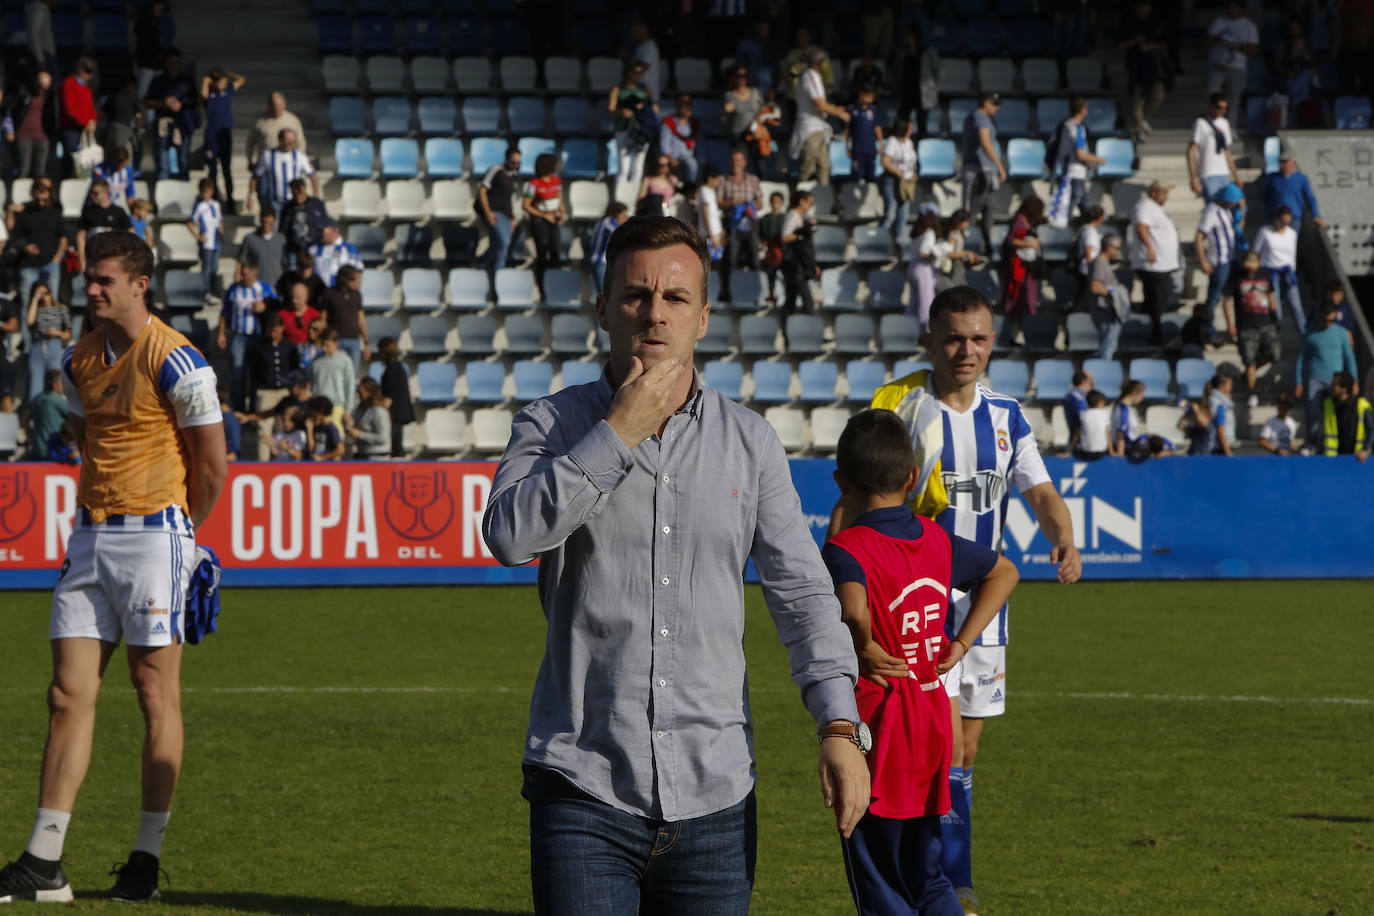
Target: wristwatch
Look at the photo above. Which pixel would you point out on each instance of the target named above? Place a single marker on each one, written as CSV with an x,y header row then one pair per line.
x,y
855,731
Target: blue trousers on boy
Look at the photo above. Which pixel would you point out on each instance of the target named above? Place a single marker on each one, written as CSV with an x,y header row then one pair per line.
x,y
893,867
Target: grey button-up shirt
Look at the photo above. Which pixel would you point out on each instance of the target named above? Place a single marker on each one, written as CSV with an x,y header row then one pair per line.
x,y
642,698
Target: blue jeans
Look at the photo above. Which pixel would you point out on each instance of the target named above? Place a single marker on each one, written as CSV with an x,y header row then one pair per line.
x,y
1108,333
50,273
895,211
589,859
173,158
690,166
499,238
1285,286
353,346
44,354
893,866
1216,288
1212,187
209,270
238,371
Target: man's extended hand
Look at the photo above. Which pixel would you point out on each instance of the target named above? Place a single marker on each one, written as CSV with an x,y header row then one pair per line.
x,y
1069,560
844,782
876,665
645,400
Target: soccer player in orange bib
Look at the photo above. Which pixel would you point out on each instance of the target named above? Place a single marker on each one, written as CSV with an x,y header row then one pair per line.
x,y
148,423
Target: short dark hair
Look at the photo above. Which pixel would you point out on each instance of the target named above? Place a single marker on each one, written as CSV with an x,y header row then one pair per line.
x,y
320,405
1076,104
710,172
346,273
206,183
135,257
100,183
874,452
271,320
1281,211
545,164
1096,398
654,232
957,299
1079,377
52,375
1344,380
865,89
1216,98
329,334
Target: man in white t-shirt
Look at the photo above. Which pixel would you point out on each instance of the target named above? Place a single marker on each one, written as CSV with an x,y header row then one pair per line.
x,y
1154,252
1277,247
1232,38
812,133
1210,164
708,205
1279,435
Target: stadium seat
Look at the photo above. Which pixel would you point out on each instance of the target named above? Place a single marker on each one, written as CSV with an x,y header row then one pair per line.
x,y
1039,76
1352,112
369,240
983,37
1009,377
486,152
1055,243
481,115
853,335
692,74
491,429
485,382
1135,336
385,73
341,73
885,290
904,367
899,335
959,109
452,200
747,289
421,289
1084,75
840,164
518,73
1025,158
429,74
830,243
533,379
472,75
805,335
400,157
514,288
563,74
376,35
378,290
1271,155
414,242
1101,118
572,117
1155,374
334,34
438,382
1040,332
840,289
996,74
476,335
826,425
362,200
1052,378
181,289
1192,374
772,382
405,201
581,159
175,244
577,372
1014,118
864,377
437,115
443,158
509,36
347,116
421,34
1049,113
935,158
353,158
872,245
428,335
524,114
758,335
790,425
446,431
587,200
562,289
720,336
1162,420
468,288
956,73
717,153
465,37
1027,36
525,334
603,73
818,382
1120,155
1107,374
571,334
707,110
1081,332
860,201
531,148
725,377
174,199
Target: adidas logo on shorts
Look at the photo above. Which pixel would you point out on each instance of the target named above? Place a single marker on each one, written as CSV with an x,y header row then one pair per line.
x,y
996,694
161,628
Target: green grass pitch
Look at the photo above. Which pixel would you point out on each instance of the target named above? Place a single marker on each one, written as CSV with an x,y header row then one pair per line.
x,y
1169,748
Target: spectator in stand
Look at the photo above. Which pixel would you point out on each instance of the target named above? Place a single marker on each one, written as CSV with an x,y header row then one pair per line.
x,y
710,223
769,123
920,82
898,176
1257,320
1335,296
868,72
741,201
123,111
98,216
298,314
36,229
207,225
739,112
267,132
148,48
1347,420
332,253
1070,157
1154,253
1232,38
1280,433
172,97
629,100
273,360
1110,299
927,251
678,135
801,58
240,326
658,188
1127,439
545,214
288,441
770,228
332,375
1223,411
342,308
395,385
79,115
140,212
1325,352
323,432
118,176
1211,167
38,27
1196,335
272,176
811,134
29,123
1093,440
13,341
646,49
1215,245
217,89
1087,245
864,132
1023,261
49,323
304,273
233,427
1277,247
301,219
1075,402
266,246
494,199
1143,38
47,413
755,55
982,172
1290,188
369,426
958,258
616,214
799,265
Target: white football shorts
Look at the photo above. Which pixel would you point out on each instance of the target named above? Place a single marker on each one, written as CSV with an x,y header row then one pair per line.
x,y
124,583
982,682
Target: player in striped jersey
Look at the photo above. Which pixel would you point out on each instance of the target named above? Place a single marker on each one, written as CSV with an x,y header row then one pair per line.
x,y
981,447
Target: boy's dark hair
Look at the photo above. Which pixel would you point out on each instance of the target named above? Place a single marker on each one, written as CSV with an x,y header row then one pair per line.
x,y
778,195
710,172
865,89
346,274
1096,398
958,299
1285,210
1335,286
615,208
206,184
320,406
1078,377
271,320
52,375
874,452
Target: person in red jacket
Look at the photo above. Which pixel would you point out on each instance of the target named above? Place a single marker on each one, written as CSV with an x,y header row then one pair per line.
x,y
78,111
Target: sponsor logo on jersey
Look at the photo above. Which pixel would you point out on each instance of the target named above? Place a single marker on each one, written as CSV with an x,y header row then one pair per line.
x,y
149,609
978,492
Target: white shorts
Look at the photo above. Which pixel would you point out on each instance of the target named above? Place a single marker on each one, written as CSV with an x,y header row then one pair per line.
x,y
124,583
979,682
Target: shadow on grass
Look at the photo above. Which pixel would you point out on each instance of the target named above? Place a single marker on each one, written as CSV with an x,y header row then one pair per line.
x,y
1334,818
315,906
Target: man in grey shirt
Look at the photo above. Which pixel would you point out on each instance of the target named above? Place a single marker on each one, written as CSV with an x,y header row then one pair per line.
x,y
1111,302
265,247
643,495
982,172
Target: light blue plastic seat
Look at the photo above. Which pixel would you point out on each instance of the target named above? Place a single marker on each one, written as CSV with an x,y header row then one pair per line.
x,y
347,116
1120,155
421,289
443,157
481,115
1053,377
805,335
485,382
437,382
514,288
853,334
524,334
486,152
468,288
571,333
533,379
437,114
476,335
576,372
400,157
840,289
391,115
1156,375
1192,374
818,381
1107,374
935,158
1025,158
899,334
885,290
1009,377
771,382
427,334
864,377
353,156
726,377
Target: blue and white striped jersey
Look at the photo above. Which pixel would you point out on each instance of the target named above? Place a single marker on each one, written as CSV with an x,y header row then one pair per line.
x,y
601,239
209,221
1218,233
278,169
238,306
988,450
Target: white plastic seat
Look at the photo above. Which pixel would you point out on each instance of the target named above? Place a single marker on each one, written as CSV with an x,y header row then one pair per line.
x,y
452,199
362,200
405,200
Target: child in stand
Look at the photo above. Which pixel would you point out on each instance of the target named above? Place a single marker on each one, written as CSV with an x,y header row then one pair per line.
x,y
396,388
893,571
288,442
865,133
140,212
927,251
770,230
1093,438
206,223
